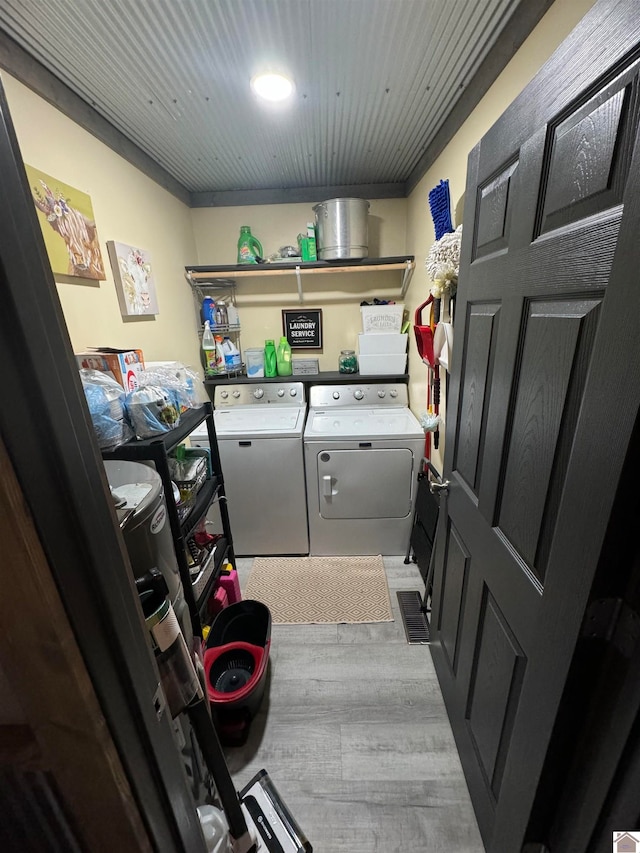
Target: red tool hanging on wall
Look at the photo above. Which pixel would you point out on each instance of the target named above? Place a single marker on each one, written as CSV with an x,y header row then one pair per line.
x,y
424,342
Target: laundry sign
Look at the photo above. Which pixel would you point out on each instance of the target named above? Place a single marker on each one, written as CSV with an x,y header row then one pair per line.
x,y
303,329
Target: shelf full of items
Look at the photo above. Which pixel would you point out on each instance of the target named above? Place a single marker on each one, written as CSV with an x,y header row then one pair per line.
x,y
200,556
219,327
209,276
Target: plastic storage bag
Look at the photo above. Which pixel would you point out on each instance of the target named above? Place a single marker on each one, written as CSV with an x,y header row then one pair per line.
x,y
105,398
181,382
152,410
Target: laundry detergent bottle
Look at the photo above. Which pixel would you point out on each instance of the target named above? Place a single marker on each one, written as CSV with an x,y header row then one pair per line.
x,y
249,247
283,357
270,364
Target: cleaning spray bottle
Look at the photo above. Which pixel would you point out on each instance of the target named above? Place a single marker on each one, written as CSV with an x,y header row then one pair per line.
x,y
283,357
270,365
208,351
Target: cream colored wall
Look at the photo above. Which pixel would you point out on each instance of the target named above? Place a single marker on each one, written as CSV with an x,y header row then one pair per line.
x,y
129,207
261,300
554,27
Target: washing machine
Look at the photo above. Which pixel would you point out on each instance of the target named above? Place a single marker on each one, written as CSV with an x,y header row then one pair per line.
x,y
363,448
260,440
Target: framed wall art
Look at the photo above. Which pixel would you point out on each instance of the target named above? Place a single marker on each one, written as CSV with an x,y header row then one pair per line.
x,y
68,227
133,277
303,329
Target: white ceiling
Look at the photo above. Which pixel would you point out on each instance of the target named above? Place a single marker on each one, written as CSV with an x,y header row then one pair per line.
x,y
381,85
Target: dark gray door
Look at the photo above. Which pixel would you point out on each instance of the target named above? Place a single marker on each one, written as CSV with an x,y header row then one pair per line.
x,y
544,395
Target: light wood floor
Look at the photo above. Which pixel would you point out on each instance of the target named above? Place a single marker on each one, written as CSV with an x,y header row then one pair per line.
x,y
354,733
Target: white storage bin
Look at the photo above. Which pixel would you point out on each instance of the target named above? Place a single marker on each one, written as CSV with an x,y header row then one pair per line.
x,y
381,319
382,364
382,343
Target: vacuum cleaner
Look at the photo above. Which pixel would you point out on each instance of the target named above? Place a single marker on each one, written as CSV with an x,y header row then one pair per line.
x,y
256,820
271,827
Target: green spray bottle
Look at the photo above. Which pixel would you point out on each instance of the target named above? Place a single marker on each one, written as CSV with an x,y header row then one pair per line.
x,y
249,247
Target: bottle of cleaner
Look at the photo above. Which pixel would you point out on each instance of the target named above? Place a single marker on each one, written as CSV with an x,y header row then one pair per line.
x,y
283,357
221,313
208,351
209,311
270,366
232,361
249,247
220,361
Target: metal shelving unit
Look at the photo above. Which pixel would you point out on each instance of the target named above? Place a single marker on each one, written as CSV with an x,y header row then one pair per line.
x,y
217,288
157,449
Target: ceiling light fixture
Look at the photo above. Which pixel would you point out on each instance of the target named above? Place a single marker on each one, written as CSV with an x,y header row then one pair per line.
x,y
272,87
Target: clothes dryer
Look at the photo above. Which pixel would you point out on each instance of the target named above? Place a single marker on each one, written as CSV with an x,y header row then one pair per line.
x,y
363,448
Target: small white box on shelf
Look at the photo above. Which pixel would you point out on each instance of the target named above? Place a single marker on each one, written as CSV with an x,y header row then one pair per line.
x,y
305,366
381,343
381,319
382,364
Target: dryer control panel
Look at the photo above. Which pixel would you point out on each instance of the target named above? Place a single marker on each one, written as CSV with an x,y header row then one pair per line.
x,y
361,394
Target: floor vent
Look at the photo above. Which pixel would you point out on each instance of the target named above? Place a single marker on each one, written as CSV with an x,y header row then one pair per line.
x,y
416,624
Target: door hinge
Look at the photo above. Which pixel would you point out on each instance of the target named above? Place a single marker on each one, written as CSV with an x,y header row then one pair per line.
x,y
612,620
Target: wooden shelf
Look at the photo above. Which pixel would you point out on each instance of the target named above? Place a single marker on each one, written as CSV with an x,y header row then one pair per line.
x,y
326,377
202,275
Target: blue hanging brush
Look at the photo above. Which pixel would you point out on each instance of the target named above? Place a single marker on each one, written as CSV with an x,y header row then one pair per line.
x,y
440,206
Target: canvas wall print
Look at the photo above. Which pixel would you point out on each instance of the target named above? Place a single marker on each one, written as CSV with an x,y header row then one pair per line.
x,y
133,275
68,227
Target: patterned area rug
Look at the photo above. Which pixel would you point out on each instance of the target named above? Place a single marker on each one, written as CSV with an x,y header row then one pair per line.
x,y
308,590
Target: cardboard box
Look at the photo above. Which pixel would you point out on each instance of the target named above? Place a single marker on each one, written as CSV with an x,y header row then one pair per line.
x,y
124,365
307,246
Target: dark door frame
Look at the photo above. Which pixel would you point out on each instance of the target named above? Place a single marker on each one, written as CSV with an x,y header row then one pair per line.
x,y
45,425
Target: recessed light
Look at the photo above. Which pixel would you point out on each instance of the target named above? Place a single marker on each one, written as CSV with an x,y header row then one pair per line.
x,y
272,87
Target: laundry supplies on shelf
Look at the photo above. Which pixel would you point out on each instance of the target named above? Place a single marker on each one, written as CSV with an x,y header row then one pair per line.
x,y
283,357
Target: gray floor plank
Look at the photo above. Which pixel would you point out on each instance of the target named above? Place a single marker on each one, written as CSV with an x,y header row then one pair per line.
x,y
360,701
380,662
400,751
297,634
383,817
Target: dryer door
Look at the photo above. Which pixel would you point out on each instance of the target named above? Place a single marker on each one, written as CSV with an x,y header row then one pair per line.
x,y
372,483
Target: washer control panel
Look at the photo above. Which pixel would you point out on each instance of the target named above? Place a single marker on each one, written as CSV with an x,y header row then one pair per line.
x,y
378,394
273,393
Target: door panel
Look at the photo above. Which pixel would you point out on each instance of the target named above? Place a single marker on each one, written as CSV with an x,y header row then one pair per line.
x,y
345,483
551,337
548,293
587,162
494,214
482,329
455,576
494,693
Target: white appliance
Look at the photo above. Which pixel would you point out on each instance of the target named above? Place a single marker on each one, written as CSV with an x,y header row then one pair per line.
x,y
363,448
259,430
